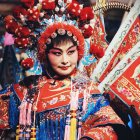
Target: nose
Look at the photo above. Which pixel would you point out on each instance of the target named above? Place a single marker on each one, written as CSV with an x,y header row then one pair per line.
x,y
64,59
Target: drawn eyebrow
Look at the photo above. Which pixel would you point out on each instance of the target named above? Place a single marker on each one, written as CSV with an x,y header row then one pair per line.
x,y
61,50
71,47
56,49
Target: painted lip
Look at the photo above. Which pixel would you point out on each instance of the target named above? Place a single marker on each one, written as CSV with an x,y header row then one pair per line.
x,y
64,68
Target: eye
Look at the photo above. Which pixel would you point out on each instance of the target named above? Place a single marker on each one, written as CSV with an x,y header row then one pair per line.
x,y
57,53
71,52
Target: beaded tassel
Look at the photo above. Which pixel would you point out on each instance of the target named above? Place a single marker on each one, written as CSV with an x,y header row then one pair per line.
x,y
21,132
85,101
33,129
56,128
79,128
73,122
73,108
67,128
22,119
33,133
27,132
61,127
17,133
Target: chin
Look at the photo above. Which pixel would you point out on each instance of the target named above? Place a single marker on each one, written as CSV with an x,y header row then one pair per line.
x,y
64,74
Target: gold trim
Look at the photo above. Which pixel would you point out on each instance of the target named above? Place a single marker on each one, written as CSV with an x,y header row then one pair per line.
x,y
111,5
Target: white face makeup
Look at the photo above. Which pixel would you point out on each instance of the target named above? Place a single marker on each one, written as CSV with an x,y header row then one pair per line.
x,y
63,58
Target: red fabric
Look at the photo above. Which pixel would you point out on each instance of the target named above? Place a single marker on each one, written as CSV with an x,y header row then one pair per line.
x,y
4,106
127,86
102,133
105,115
129,41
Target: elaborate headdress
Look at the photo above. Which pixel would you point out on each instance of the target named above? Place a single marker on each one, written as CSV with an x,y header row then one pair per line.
x,y
36,23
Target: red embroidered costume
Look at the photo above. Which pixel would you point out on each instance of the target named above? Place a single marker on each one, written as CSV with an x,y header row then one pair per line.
x,y
56,108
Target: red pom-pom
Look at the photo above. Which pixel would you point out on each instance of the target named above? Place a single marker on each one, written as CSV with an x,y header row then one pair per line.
x,y
27,63
18,11
8,19
23,32
93,49
96,50
86,14
12,26
48,5
21,42
28,3
74,8
33,14
87,31
101,52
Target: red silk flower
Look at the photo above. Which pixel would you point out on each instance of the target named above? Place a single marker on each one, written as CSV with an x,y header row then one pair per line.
x,y
33,14
97,51
28,3
48,5
86,14
87,31
11,26
21,42
23,32
74,8
19,10
27,63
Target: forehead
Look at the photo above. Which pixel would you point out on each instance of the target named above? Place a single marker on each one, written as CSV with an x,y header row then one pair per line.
x,y
64,45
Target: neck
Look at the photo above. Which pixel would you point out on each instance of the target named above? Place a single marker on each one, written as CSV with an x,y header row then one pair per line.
x,y
52,75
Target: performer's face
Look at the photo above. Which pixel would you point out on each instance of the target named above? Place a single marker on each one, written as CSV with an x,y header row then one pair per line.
x,y
63,58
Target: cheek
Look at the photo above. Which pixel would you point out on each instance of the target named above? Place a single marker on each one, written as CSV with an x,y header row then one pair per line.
x,y
74,59
53,60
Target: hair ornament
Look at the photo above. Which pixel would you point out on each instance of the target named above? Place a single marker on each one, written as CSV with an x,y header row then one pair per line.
x,y
75,38
61,31
48,41
36,22
69,33
54,35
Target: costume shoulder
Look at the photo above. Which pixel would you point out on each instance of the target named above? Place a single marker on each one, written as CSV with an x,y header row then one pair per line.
x,y
19,90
